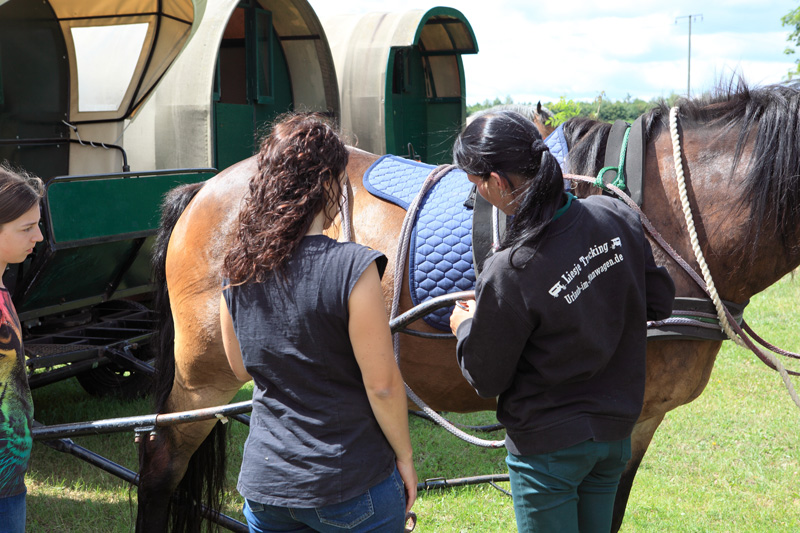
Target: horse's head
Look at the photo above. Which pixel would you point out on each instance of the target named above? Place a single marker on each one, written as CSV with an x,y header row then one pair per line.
x,y
740,156
542,119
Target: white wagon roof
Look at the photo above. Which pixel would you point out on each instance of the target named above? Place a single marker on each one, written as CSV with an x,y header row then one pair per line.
x,y
361,46
176,130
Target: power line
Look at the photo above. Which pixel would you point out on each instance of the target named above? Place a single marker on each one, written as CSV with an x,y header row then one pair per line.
x,y
689,62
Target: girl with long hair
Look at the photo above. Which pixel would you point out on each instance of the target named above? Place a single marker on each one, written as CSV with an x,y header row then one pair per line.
x,y
20,195
558,329
304,316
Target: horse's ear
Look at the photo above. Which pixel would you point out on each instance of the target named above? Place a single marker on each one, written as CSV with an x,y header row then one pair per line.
x,y
539,107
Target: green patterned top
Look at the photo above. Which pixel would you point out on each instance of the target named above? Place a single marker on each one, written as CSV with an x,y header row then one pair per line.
x,y
16,405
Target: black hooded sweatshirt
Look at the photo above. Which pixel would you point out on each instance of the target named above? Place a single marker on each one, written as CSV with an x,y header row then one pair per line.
x,y
560,337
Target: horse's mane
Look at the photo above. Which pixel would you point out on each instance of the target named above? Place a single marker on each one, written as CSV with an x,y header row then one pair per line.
x,y
769,117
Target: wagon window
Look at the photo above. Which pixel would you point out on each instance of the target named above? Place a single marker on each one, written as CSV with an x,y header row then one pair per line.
x,y
106,58
263,56
446,76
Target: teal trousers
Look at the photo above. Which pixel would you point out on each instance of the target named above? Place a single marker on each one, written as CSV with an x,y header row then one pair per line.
x,y
570,490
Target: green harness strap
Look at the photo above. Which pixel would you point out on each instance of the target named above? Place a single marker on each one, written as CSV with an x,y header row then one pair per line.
x,y
619,181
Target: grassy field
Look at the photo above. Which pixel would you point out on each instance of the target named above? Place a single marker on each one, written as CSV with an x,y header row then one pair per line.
x,y
728,462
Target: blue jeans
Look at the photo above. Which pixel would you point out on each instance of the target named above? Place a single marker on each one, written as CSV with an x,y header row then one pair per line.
x,y
12,514
570,490
381,509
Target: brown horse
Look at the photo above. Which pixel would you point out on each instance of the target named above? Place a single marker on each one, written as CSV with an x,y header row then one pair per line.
x,y
741,155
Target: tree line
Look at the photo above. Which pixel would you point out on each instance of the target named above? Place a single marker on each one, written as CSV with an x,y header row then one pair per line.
x,y
601,108
792,21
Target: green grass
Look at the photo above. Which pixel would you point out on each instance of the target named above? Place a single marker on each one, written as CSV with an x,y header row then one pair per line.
x,y
728,462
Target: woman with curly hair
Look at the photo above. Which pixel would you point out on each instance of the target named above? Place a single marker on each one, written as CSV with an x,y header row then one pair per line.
x,y
303,316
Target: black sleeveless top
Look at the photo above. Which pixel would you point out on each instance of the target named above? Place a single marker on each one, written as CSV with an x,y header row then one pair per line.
x,y
313,440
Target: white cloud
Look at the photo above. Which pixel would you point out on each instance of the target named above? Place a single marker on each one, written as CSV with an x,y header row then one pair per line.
x,y
541,50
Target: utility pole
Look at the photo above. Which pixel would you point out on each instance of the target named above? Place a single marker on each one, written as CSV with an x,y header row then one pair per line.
x,y
689,68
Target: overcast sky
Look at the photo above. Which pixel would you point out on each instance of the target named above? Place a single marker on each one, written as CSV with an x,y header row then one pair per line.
x,y
539,50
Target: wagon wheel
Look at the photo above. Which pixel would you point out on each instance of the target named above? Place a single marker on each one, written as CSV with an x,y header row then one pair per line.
x,y
112,379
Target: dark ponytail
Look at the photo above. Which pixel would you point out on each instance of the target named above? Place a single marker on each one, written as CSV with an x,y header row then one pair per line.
x,y
507,143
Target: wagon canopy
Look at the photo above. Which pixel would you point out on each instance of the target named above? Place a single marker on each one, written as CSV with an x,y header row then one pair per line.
x,y
401,78
117,51
70,62
247,62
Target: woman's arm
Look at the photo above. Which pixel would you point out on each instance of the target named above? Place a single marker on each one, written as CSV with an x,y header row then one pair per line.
x,y
232,349
372,344
491,338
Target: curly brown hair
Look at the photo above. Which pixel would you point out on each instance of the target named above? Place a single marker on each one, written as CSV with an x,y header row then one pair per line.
x,y
300,165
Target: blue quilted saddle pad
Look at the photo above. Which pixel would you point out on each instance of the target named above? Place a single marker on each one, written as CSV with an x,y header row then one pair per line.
x,y
440,254
557,143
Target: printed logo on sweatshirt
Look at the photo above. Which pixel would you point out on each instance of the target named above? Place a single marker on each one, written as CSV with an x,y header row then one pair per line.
x,y
587,262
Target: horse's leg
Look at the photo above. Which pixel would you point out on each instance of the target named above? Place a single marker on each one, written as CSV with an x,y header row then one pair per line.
x,y
166,458
202,379
677,373
197,224
640,441
164,462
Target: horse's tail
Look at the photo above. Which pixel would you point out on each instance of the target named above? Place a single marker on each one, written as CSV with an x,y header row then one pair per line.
x,y
205,473
173,206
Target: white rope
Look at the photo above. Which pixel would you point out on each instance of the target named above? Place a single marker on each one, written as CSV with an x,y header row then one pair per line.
x,y
400,262
495,228
698,253
687,214
345,211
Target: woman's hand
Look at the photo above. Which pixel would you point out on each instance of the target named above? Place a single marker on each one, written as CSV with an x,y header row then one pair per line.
x,y
464,309
409,475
